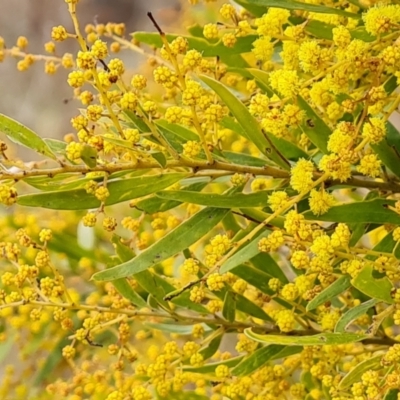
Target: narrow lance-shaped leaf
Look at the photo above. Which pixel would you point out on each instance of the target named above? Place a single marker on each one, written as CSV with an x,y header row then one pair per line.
x,y
120,190
388,149
320,339
337,287
314,127
258,199
356,373
176,241
208,49
349,316
20,134
244,254
297,5
229,308
373,211
246,120
261,356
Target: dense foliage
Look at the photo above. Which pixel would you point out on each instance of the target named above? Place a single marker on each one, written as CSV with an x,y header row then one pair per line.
x,y
223,225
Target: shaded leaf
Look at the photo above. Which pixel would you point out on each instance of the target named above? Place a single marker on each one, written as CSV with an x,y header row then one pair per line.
x,y
244,254
174,242
314,127
288,149
388,149
349,316
258,199
137,121
243,159
20,134
320,339
262,80
372,211
264,262
246,120
89,155
160,158
261,356
212,347
229,308
156,204
378,289
297,5
355,374
208,49
120,190
336,288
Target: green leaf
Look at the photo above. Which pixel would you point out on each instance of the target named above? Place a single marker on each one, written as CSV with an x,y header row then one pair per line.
x,y
258,199
254,277
244,254
258,11
171,328
288,149
137,122
126,290
372,211
264,262
256,360
20,134
320,339
349,316
153,283
56,146
176,241
246,120
245,305
262,80
354,375
156,204
337,287
296,5
179,130
211,367
229,308
208,49
261,356
375,288
391,394
120,190
243,159
212,347
160,158
314,127
388,149
89,155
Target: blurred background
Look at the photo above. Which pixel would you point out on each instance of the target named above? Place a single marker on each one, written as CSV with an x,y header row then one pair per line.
x,y
39,100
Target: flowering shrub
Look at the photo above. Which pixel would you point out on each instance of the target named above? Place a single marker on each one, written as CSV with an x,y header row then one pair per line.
x,y
224,225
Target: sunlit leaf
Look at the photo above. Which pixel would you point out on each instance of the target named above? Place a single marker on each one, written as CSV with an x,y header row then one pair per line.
x,y
336,288
120,190
174,242
353,313
246,120
320,339
378,289
355,374
20,134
